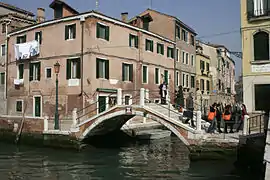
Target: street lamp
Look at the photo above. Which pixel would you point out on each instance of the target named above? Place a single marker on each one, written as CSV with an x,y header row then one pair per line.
x,y
56,117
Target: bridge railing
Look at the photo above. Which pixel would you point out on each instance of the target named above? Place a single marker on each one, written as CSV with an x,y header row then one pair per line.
x,y
256,124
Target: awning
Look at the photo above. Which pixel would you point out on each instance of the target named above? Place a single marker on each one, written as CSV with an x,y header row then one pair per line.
x,y
106,90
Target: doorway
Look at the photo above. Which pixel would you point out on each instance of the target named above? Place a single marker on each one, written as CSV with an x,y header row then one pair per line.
x,y
37,106
102,103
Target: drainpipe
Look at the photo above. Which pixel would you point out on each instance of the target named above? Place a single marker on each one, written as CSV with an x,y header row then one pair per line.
x,y
82,20
8,21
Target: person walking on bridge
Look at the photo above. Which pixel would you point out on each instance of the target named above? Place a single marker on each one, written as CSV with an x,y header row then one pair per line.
x,y
190,109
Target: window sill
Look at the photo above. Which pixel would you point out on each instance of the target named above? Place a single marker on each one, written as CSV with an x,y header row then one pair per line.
x,y
259,18
103,79
133,47
149,51
260,62
127,81
70,39
102,39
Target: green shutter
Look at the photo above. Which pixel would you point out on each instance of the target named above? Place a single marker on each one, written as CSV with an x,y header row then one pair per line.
x,y
97,68
36,36
144,74
66,32
68,73
74,29
162,47
24,39
131,72
156,76
250,7
18,40
136,41
107,33
130,36
40,40
123,71
97,30
107,69
168,54
21,70
152,46
78,75
38,69
31,72
268,5
146,44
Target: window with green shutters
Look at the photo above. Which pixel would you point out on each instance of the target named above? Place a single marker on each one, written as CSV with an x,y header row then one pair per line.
x,y
2,78
133,41
70,31
102,68
38,37
202,65
157,75
160,48
145,74
127,72
178,34
192,83
170,53
20,71
73,68
166,76
34,72
21,39
149,45
103,31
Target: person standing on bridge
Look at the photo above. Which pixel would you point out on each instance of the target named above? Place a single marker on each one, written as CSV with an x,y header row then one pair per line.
x,y
163,92
212,117
190,109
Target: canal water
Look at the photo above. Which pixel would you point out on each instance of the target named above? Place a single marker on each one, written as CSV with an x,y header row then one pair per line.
x,y
161,159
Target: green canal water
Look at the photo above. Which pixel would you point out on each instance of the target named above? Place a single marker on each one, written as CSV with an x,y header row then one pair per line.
x,y
162,159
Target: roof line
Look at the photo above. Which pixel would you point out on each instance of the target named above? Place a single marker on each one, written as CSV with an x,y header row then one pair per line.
x,y
85,15
14,8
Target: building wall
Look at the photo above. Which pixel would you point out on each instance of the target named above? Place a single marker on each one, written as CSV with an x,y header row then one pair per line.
x,y
55,48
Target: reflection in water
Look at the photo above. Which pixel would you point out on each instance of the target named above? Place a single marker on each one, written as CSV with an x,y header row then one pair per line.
x,y
162,159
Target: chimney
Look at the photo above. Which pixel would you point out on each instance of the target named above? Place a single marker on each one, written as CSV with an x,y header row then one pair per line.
x,y
124,16
40,15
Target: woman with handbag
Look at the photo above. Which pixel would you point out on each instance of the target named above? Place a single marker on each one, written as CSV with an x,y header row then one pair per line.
x,y
226,116
212,118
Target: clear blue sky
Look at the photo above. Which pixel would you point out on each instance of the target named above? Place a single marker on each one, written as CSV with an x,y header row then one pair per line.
x,y
207,17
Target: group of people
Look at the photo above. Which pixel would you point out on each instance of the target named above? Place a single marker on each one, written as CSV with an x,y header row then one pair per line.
x,y
230,114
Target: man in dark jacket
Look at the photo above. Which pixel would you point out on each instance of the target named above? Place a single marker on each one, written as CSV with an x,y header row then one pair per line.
x,y
163,92
190,108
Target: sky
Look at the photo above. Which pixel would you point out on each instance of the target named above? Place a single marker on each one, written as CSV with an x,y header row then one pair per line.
x,y
208,17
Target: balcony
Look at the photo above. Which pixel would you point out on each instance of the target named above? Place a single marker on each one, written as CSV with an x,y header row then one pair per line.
x,y
258,14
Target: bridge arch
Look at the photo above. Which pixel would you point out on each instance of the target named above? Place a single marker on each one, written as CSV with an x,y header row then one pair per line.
x,y
103,119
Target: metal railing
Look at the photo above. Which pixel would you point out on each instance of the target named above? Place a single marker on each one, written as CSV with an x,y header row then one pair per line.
x,y
256,124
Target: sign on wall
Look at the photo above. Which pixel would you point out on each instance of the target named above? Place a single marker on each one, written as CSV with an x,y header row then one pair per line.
x,y
260,68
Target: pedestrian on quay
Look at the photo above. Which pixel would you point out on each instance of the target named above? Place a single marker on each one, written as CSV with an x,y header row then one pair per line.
x,y
243,113
227,116
219,116
190,109
163,92
212,118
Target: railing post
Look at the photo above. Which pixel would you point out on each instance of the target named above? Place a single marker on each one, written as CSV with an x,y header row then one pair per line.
x,y
119,96
198,120
246,125
74,117
142,93
46,123
147,95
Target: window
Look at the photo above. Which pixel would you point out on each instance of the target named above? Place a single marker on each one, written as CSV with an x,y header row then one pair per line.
x,y
187,80
177,79
160,48
177,55
2,78
38,37
202,84
170,53
178,32
127,72
157,75
219,84
192,40
183,57
3,50
145,75
73,68
70,31
192,83
103,31
184,35
207,67
259,7
4,28
202,65
208,85
58,13
166,76
192,60
261,46
21,39
183,80
20,71
127,100
149,46
145,24
133,41
48,73
262,97
187,58
34,71
102,68
19,106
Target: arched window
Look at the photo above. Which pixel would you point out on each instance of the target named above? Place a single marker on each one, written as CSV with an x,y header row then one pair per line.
x,y
261,46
